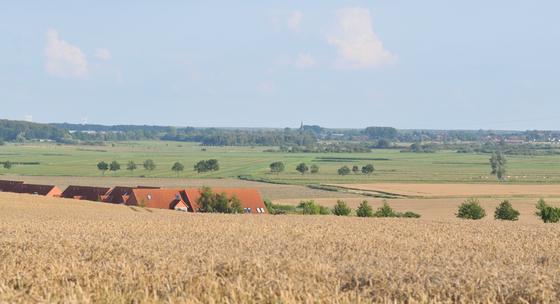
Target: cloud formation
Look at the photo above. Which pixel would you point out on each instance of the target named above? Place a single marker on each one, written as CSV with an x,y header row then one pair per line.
x,y
294,20
356,42
64,59
305,61
102,54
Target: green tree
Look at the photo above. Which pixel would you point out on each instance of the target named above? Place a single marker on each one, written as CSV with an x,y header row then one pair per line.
x,y
344,170
471,209
314,169
368,169
149,165
177,168
277,167
218,202
547,213
309,207
498,165
205,201
212,165
355,169
131,166
506,212
364,210
114,166
8,165
103,167
341,208
385,211
302,168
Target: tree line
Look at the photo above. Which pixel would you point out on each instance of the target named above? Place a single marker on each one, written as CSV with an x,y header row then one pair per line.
x,y
150,165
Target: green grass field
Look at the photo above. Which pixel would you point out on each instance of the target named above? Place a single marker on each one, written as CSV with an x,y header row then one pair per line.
x,y
390,165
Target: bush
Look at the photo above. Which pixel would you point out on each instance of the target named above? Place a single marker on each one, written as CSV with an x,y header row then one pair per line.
x,y
547,213
341,208
344,170
385,211
409,214
506,212
324,210
471,209
364,210
312,208
210,202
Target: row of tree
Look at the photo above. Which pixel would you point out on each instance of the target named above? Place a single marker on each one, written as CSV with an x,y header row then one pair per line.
x,y
149,165
278,167
471,209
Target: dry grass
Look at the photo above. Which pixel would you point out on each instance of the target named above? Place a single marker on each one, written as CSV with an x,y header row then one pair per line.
x,y
54,250
458,190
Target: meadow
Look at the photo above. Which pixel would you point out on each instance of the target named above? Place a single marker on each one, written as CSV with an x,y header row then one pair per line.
x,y
67,251
390,165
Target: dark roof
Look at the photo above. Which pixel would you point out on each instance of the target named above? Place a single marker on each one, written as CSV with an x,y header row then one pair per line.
x,y
85,193
118,195
10,186
38,189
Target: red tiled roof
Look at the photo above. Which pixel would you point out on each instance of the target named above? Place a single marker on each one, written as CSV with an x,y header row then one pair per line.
x,y
157,198
250,198
85,193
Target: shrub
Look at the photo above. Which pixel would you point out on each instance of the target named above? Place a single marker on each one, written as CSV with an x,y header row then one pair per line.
x,y
385,211
314,169
277,209
341,208
471,209
210,202
506,212
309,207
344,170
324,210
547,213
409,214
364,210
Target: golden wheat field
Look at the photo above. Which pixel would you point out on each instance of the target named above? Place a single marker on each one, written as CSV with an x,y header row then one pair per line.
x,y
55,250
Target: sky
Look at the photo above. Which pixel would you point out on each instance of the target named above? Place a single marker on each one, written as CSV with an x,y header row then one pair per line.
x,y
341,64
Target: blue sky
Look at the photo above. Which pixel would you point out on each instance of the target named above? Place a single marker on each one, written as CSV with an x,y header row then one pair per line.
x,y
409,64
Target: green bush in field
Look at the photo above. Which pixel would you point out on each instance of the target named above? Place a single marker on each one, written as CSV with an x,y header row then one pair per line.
x,y
341,209
324,210
312,208
471,209
385,211
364,210
547,213
506,212
408,214
344,170
277,209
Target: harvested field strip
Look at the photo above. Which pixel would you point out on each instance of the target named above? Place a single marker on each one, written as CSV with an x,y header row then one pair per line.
x,y
70,251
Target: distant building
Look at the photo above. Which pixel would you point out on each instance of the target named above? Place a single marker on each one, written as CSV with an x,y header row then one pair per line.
x,y
158,198
96,194
250,199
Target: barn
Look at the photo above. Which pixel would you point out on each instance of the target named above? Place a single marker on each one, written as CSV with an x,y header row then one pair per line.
x,y
44,190
158,198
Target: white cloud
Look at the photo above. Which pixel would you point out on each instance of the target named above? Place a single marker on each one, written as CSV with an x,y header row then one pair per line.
x,y
294,20
357,44
305,61
103,54
64,59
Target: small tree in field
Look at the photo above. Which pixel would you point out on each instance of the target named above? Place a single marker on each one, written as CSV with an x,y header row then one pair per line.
x,y
506,212
302,168
149,165
355,169
364,210
368,169
471,209
177,168
114,166
131,166
385,211
341,208
498,165
547,213
103,167
8,165
344,170
314,169
277,167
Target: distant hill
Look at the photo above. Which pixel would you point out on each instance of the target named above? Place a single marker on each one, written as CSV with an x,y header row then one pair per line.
x,y
13,130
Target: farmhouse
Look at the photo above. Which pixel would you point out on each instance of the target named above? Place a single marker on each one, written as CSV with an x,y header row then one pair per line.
x,y
158,198
250,199
95,194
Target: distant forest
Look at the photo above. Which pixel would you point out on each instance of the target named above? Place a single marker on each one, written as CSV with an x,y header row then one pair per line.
x,y
304,139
